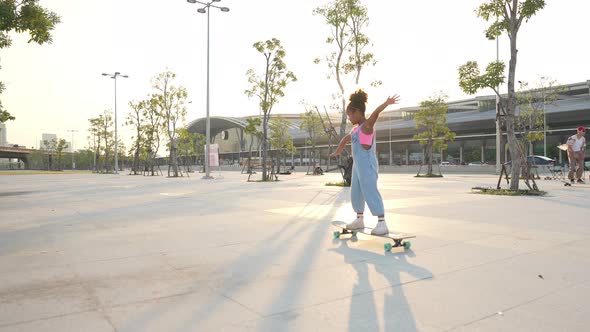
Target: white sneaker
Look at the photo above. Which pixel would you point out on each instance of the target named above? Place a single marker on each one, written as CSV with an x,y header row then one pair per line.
x,y
358,223
380,229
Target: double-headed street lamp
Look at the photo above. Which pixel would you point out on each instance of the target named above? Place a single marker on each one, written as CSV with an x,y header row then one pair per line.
x,y
114,76
203,10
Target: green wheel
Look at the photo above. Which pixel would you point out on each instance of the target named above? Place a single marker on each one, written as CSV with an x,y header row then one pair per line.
x,y
336,234
407,244
387,246
354,233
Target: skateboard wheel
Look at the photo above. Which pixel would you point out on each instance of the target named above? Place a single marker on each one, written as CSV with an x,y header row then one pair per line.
x,y
407,245
387,246
336,235
354,233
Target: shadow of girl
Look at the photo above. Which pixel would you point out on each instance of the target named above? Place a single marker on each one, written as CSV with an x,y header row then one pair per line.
x,y
397,314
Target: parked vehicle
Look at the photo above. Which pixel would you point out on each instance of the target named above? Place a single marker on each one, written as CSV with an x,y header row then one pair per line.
x,y
477,163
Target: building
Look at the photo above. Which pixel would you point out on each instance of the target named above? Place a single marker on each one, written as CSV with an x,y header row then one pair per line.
x,y
473,120
46,140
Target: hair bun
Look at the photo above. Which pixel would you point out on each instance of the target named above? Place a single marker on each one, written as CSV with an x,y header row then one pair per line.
x,y
359,97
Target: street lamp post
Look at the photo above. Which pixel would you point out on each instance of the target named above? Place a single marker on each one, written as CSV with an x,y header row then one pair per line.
x,y
114,76
544,117
203,10
72,147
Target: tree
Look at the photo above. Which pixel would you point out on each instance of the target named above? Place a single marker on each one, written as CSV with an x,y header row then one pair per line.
x,y
96,139
24,16
153,130
433,121
347,20
170,100
269,87
507,17
251,130
280,139
312,124
60,146
530,120
135,119
189,144
105,125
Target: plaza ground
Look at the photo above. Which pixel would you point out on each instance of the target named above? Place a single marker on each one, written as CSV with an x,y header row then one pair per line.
x,y
86,252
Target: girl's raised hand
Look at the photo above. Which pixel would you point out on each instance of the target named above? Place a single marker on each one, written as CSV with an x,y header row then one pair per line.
x,y
392,100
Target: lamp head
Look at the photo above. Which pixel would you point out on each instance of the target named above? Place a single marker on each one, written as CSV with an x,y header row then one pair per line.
x,y
201,10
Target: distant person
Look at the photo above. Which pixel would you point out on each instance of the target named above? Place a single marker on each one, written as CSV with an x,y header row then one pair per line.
x,y
364,170
576,149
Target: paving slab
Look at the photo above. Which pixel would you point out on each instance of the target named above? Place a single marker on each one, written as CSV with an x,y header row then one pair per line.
x,y
88,252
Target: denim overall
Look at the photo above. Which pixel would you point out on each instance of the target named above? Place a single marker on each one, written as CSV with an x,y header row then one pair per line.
x,y
363,186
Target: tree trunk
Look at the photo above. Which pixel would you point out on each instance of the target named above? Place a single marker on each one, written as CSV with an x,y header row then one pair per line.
x,y
429,156
264,149
515,153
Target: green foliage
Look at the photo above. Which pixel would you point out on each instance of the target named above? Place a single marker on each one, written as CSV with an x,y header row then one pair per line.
x,y
431,119
279,135
347,19
506,16
24,16
101,138
190,144
470,79
312,124
269,87
530,120
170,101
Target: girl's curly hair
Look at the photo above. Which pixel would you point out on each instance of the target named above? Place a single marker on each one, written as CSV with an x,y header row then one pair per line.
x,y
358,100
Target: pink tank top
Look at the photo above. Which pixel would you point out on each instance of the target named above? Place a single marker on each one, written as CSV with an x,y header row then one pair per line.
x,y
365,139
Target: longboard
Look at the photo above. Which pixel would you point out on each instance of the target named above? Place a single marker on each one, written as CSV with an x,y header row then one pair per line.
x,y
398,238
562,147
569,183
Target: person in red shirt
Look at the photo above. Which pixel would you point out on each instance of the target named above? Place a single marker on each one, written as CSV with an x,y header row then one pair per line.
x,y
576,149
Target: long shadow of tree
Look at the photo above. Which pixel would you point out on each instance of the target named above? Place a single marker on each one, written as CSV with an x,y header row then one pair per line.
x,y
397,313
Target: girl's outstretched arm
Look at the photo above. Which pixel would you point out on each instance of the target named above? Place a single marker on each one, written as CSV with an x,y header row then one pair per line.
x,y
370,123
345,140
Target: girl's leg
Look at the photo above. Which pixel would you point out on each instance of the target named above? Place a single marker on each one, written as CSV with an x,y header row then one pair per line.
x,y
374,200
356,194
358,202
368,184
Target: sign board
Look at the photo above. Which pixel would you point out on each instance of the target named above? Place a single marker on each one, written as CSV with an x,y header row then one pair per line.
x,y
213,154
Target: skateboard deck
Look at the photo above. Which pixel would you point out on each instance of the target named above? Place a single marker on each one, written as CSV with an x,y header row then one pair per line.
x,y
397,237
562,147
568,183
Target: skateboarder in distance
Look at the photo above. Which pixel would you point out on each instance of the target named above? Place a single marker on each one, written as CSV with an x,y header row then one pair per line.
x,y
363,186
575,153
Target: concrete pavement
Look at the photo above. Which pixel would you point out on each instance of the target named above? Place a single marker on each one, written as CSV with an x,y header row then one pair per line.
x,y
85,252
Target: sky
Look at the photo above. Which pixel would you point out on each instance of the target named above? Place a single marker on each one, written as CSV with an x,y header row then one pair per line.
x,y
419,45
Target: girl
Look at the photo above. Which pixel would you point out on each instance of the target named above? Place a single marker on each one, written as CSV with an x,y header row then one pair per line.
x,y
364,170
